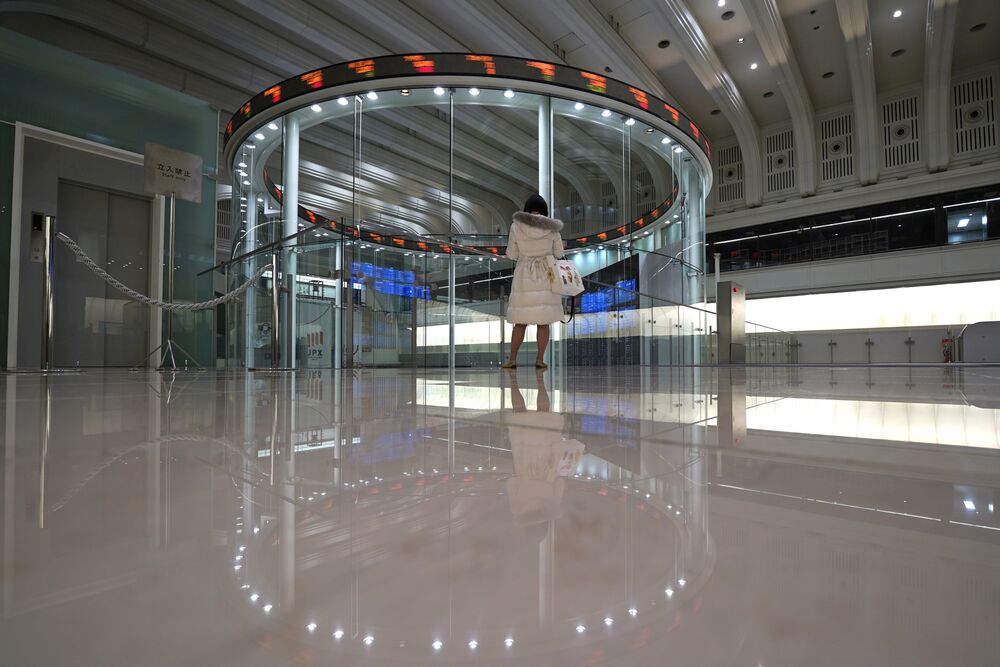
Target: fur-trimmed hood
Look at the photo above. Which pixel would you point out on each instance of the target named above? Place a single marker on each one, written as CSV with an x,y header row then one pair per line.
x,y
537,221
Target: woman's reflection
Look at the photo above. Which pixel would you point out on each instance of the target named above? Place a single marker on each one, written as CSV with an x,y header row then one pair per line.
x,y
542,458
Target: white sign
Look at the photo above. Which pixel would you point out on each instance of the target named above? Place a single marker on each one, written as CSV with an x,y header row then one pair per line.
x,y
173,172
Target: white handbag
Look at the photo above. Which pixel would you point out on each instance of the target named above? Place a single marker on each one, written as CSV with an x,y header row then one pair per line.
x,y
564,277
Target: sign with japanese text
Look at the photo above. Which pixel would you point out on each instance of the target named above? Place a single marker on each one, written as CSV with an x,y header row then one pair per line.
x,y
172,172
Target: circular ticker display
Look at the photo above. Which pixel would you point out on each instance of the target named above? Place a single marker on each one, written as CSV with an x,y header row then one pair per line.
x,y
436,66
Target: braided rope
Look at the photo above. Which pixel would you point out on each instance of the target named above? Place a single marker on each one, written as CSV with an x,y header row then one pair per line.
x,y
149,301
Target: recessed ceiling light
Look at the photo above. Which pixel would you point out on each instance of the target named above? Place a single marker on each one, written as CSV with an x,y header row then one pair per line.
x,y
578,106
439,91
437,645
242,165
663,43
372,95
508,93
404,92
474,91
341,101
753,65
605,113
678,149
630,122
665,140
259,136
741,40
649,130
721,3
272,126
896,14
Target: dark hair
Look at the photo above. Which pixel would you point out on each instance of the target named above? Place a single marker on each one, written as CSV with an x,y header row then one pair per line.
x,y
535,204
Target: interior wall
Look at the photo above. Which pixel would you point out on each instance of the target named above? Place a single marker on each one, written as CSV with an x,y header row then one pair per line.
x,y
55,90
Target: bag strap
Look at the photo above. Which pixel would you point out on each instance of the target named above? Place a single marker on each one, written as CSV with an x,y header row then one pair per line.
x,y
572,310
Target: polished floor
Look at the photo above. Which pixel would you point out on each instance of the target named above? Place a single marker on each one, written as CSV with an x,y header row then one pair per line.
x,y
585,516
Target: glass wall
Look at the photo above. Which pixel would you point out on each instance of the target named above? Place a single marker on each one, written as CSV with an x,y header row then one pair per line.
x,y
387,212
957,217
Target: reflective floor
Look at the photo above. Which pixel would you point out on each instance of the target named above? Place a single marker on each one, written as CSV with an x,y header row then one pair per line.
x,y
773,516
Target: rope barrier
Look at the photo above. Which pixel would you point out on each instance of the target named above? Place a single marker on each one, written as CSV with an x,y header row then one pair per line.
x,y
149,301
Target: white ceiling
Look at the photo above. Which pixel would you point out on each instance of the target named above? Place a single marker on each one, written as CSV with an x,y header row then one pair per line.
x,y
224,51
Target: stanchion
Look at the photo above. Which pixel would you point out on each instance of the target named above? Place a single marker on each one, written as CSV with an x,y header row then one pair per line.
x,y
170,344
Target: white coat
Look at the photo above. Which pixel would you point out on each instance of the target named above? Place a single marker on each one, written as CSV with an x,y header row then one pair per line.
x,y
532,241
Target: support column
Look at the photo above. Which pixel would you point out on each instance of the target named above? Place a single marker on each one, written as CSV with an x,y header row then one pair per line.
x,y
290,225
729,310
545,188
250,300
939,46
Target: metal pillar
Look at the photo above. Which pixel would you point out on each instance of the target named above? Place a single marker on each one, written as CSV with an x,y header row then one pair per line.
x,y
729,306
251,297
48,280
290,226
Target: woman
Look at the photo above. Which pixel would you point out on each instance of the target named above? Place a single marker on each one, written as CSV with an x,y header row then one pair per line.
x,y
534,239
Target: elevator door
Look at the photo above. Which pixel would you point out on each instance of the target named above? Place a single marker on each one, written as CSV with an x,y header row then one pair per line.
x,y
95,325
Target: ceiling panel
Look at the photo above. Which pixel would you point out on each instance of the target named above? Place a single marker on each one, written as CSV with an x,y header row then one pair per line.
x,y
818,43
892,35
974,47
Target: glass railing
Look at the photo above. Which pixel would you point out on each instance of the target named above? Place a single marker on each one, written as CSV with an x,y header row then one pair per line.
x,y
360,304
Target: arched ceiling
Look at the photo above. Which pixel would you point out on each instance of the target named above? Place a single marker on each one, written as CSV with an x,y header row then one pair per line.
x,y
812,55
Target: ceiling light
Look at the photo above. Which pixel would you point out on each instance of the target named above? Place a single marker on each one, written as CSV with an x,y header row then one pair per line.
x,y
681,582
969,505
508,93
242,165
474,91
984,221
508,642
721,3
246,182
669,592
605,113
311,627
963,222
342,101
259,136
610,621
404,92
338,634
473,644
437,644
251,146
260,200
741,40
372,95
254,597
896,14
633,612
753,65
268,608
678,149
649,130
630,122
665,140
439,91
578,106
368,640
272,126
581,629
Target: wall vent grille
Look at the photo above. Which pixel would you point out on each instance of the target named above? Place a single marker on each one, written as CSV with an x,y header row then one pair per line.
x,y
836,148
730,175
900,132
779,161
974,111
609,204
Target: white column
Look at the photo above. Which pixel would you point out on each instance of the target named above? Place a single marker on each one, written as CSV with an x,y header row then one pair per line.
x,y
545,188
290,225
